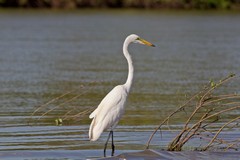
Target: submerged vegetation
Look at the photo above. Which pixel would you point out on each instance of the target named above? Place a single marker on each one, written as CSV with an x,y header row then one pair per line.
x,y
176,4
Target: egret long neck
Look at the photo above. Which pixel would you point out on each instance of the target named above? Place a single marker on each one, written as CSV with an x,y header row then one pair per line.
x,y
128,83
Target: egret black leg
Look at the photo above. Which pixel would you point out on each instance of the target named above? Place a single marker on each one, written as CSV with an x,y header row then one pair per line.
x,y
113,147
105,147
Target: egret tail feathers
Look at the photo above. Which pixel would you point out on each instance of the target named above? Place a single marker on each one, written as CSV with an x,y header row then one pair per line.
x,y
95,131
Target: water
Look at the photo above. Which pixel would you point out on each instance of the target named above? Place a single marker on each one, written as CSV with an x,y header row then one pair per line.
x,y
44,54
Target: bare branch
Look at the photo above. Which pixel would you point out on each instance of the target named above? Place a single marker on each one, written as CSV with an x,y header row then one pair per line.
x,y
210,108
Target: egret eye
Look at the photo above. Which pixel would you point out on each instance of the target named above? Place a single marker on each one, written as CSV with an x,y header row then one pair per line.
x,y
138,40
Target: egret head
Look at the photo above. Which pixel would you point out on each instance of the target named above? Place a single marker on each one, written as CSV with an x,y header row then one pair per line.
x,y
136,39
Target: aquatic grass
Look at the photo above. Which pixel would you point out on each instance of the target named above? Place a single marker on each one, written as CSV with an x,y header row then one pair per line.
x,y
202,110
52,110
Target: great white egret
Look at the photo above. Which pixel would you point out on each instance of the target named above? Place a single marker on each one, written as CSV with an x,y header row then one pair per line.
x,y
110,110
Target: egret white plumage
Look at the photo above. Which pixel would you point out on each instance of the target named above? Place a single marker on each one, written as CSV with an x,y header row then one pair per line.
x,y
110,110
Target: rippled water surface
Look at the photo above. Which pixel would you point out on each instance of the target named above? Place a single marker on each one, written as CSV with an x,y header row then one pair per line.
x,y
44,54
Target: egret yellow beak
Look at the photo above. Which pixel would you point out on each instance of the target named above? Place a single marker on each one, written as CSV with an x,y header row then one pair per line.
x,y
146,42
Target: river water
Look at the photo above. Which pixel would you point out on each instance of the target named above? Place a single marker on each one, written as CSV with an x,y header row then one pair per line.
x,y
44,54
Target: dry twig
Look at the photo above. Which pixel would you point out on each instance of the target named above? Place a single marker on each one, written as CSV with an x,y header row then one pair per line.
x,y
208,110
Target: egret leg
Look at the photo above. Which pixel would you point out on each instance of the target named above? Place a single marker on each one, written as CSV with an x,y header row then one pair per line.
x,y
105,146
113,147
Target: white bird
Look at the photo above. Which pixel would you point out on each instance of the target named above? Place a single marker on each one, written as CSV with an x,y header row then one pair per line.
x,y
110,110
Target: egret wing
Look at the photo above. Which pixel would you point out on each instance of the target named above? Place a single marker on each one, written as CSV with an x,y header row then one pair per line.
x,y
111,99
108,112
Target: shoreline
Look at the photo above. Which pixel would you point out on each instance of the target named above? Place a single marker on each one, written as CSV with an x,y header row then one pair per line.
x,y
125,4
